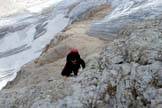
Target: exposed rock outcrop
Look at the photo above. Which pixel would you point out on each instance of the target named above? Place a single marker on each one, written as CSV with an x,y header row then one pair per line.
x,y
123,71
131,63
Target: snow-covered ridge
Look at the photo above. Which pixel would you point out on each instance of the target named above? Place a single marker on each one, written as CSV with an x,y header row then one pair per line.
x,y
129,7
22,38
10,7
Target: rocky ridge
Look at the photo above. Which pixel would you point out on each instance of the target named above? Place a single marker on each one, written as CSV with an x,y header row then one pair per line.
x,y
123,71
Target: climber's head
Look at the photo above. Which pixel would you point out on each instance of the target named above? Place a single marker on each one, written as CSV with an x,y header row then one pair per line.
x,y
74,55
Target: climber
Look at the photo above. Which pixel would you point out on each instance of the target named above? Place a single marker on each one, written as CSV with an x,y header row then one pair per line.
x,y
73,62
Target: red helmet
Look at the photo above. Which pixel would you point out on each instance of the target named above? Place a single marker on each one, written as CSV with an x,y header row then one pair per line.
x,y
74,51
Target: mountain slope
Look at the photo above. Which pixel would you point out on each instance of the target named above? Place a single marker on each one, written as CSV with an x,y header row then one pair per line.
x,y
40,82
122,71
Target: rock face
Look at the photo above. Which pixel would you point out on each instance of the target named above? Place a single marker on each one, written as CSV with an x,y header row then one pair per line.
x,y
125,12
131,63
123,71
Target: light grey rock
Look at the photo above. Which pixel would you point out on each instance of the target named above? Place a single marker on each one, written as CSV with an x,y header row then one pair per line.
x,y
83,8
126,75
43,104
77,9
125,12
135,77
